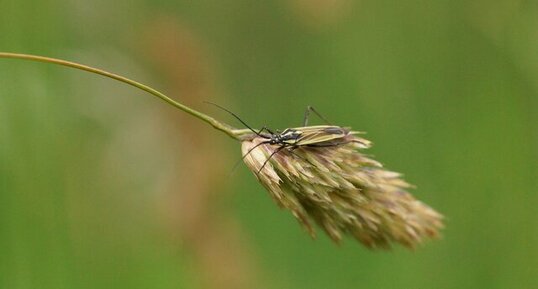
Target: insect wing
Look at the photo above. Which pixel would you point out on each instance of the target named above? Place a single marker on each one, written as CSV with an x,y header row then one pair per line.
x,y
319,134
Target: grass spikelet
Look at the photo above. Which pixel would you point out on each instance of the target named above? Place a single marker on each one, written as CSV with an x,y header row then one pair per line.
x,y
343,192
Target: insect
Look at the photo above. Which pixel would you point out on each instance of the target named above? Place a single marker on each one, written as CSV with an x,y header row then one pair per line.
x,y
293,138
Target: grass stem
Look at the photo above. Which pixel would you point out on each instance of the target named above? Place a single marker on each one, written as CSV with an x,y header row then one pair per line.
x,y
234,133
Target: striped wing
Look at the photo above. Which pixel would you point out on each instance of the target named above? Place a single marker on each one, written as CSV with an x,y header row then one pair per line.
x,y
319,134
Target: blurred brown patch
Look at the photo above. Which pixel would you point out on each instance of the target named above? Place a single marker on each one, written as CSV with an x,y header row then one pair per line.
x,y
191,205
318,14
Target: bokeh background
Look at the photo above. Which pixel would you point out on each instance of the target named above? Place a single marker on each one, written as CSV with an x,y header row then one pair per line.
x,y
103,186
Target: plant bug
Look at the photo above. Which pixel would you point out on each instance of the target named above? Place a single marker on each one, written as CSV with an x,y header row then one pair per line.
x,y
316,136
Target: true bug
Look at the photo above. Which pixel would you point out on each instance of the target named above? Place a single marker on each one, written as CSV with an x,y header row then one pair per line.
x,y
293,138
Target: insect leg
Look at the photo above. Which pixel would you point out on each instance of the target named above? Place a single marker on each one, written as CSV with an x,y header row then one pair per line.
x,y
292,151
327,144
246,154
270,156
307,114
262,129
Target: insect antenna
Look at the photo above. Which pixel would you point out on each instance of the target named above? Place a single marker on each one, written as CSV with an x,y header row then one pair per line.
x,y
238,118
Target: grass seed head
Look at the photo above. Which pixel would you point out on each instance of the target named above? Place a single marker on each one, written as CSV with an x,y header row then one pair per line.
x,y
343,192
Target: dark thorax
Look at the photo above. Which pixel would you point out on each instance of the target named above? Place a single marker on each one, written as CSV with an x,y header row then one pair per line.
x,y
288,137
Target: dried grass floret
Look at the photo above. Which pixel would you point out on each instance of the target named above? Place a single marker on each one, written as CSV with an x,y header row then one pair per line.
x,y
343,191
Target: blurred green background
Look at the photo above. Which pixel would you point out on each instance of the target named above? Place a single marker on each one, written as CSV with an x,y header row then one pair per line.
x,y
103,186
